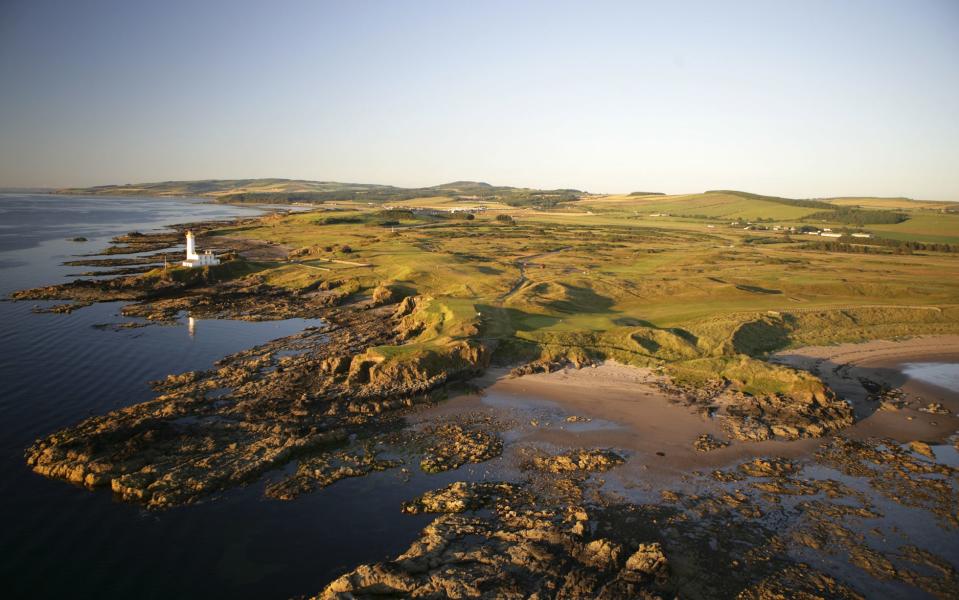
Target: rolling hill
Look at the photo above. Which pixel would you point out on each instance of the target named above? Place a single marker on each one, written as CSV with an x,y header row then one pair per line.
x,y
298,190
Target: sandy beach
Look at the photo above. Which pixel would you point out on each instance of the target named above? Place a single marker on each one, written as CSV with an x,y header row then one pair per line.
x,y
622,407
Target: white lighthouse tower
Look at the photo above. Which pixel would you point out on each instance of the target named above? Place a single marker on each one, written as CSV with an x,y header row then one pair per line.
x,y
193,259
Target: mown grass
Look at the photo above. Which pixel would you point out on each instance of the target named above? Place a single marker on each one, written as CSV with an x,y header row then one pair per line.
x,y
606,282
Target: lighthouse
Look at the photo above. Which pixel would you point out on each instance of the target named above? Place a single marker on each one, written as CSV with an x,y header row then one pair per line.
x,y
194,259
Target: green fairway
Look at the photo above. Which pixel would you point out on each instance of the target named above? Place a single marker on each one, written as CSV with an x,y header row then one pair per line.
x,y
602,277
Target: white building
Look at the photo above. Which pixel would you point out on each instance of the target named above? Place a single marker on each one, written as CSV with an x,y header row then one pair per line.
x,y
862,235
830,235
197,260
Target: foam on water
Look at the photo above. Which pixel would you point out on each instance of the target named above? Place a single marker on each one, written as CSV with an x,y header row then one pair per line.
x,y
944,375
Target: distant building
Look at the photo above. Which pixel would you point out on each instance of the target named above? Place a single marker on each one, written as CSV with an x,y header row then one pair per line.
x,y
193,259
830,235
862,235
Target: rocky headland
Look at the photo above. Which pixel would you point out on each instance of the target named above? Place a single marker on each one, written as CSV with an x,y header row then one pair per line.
x,y
627,485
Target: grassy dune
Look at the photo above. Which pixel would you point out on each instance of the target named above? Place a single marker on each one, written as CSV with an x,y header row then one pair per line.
x,y
597,280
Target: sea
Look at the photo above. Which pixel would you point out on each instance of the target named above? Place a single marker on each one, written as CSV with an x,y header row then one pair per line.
x,y
62,541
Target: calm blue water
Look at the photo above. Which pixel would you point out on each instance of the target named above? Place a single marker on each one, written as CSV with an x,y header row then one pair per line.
x,y
60,541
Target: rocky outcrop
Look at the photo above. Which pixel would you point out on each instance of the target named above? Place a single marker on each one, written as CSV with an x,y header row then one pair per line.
x,y
455,445
922,448
326,469
523,548
547,365
798,581
758,418
650,562
254,412
459,497
383,294
768,467
897,473
587,460
935,408
707,443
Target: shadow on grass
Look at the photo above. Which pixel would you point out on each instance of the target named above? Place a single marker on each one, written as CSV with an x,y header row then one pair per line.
x,y
755,289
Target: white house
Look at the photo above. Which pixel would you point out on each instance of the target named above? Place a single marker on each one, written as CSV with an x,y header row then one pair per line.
x,y
830,235
193,259
862,235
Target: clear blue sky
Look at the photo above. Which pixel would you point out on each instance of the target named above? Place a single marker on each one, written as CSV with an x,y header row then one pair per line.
x,y
803,99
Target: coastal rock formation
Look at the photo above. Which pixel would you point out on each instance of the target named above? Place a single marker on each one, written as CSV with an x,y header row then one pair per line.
x,y
935,408
455,445
707,443
897,474
758,418
798,581
522,548
587,460
459,497
649,561
62,309
326,469
922,448
763,467
256,411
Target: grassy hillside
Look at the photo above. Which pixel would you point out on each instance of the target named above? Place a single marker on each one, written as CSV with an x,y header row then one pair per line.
x,y
293,190
889,203
715,205
725,206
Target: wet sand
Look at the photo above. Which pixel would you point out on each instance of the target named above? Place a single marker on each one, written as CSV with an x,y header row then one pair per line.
x,y
629,412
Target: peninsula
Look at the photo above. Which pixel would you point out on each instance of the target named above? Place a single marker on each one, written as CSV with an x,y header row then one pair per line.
x,y
686,345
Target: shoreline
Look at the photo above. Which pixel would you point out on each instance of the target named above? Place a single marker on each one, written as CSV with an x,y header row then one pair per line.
x,y
844,367
763,512
628,408
571,451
